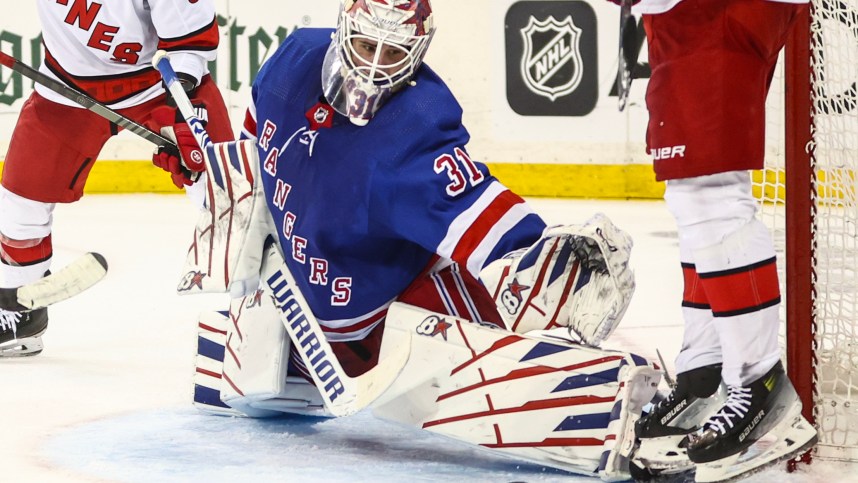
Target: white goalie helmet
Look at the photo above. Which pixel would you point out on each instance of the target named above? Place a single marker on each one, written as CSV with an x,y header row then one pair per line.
x,y
377,49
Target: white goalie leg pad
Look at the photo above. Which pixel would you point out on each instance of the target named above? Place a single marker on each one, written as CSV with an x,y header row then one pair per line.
x,y
241,366
575,276
542,399
208,364
256,362
226,253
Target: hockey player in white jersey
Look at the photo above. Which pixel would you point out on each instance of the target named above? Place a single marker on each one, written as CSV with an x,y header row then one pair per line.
x,y
408,278
712,62
104,49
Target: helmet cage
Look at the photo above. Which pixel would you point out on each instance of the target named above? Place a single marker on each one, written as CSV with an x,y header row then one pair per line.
x,y
386,35
356,85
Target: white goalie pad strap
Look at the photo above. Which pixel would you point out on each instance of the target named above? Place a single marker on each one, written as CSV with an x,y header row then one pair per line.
x,y
226,253
638,385
575,276
544,399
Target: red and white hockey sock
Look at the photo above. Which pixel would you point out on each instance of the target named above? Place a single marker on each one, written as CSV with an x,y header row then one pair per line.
x,y
739,276
701,345
24,261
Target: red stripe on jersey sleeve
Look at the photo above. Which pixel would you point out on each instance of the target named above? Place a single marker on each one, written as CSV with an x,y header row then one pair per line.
x,y
206,38
475,234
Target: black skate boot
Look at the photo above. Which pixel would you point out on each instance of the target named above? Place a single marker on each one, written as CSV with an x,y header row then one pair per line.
x,y
767,409
696,395
21,332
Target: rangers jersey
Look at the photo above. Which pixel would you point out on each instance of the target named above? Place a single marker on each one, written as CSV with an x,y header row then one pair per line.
x,y
105,48
361,212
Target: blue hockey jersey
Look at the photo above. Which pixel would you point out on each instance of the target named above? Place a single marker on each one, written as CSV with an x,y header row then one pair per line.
x,y
361,212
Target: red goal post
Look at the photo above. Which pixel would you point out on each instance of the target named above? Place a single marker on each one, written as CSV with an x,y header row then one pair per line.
x,y
808,198
799,215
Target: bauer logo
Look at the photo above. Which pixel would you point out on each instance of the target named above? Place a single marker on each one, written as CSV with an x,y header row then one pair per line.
x,y
551,58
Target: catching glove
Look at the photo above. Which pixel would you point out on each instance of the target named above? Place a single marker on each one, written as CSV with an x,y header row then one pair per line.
x,y
575,276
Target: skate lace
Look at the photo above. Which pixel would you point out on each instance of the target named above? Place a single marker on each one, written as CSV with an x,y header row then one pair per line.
x,y
736,407
9,321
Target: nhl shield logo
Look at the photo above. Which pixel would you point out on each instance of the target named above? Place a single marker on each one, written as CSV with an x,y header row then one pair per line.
x,y
551,64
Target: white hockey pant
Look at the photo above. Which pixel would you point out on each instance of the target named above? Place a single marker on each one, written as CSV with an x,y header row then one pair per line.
x,y
720,235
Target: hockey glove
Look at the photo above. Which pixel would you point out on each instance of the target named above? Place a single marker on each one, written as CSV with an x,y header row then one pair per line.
x,y
575,276
184,164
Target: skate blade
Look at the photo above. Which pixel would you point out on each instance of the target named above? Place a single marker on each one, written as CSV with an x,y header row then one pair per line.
x,y
662,454
26,347
798,437
649,475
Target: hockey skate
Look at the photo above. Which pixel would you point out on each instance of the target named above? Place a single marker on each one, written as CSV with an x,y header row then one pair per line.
x,y
759,425
660,452
21,332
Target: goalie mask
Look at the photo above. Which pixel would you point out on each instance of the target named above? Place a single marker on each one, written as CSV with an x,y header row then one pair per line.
x,y
377,49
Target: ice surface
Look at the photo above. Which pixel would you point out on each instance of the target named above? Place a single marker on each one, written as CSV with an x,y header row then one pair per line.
x,y
108,399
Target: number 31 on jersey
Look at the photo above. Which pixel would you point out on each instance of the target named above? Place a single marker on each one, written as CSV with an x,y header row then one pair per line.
x,y
460,169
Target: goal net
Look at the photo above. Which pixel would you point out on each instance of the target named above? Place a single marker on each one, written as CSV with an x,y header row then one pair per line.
x,y
808,197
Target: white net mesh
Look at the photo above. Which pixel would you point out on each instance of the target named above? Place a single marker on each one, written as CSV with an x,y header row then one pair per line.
x,y
834,45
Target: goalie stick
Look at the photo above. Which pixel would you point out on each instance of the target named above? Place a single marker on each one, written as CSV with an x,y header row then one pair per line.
x,y
87,102
69,281
343,395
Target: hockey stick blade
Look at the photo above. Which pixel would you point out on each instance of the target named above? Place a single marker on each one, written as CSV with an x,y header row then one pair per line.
x,y
69,281
86,102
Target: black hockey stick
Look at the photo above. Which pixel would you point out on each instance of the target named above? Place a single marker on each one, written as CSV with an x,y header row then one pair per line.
x,y
69,281
628,52
87,102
